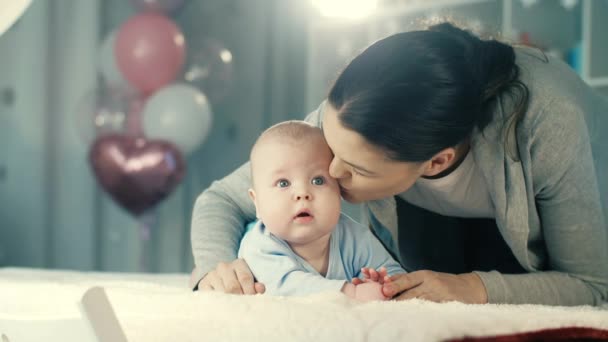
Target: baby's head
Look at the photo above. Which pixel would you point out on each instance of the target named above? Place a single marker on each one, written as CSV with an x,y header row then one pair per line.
x,y
294,195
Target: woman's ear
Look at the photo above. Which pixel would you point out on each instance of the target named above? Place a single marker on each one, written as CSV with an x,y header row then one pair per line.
x,y
440,162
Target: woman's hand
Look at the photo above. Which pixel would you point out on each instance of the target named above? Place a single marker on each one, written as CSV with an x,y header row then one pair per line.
x,y
233,277
437,287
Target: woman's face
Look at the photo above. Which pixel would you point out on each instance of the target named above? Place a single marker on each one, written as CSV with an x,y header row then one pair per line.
x,y
363,170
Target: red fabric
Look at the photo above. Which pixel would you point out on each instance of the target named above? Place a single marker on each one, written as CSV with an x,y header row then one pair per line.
x,y
559,334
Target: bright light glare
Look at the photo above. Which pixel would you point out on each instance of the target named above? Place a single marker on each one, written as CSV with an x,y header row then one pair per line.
x,y
345,8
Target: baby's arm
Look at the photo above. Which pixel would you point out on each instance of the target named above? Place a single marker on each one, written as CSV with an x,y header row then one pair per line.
x,y
275,265
369,291
375,261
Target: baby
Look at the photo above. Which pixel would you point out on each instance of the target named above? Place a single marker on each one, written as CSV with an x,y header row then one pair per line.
x,y
301,243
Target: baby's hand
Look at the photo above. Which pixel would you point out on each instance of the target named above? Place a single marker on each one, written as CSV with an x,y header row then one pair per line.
x,y
369,291
371,275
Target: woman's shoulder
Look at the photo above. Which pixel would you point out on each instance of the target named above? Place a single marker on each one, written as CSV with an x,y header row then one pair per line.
x,y
550,80
547,77
557,94
316,116
560,111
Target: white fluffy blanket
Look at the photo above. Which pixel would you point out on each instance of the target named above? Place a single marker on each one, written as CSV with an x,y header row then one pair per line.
x,y
43,305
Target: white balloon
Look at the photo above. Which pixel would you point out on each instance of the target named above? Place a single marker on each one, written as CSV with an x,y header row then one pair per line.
x,y
529,3
180,114
10,11
569,4
107,63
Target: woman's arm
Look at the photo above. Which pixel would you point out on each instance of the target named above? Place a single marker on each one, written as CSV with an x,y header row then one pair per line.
x,y
218,220
574,231
573,226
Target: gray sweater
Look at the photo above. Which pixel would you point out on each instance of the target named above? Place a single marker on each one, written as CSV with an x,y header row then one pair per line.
x,y
542,182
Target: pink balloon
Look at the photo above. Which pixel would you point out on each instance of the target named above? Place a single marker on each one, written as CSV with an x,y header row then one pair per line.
x,y
137,173
158,5
150,51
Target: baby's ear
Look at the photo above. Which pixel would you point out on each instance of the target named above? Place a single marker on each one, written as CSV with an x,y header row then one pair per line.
x,y
251,193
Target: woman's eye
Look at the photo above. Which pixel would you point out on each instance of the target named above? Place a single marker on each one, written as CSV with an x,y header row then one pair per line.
x,y
283,183
318,181
357,172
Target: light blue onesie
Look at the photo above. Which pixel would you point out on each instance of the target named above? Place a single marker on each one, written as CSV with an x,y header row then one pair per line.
x,y
284,273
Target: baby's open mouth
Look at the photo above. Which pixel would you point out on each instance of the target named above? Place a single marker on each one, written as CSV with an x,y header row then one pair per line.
x,y
302,214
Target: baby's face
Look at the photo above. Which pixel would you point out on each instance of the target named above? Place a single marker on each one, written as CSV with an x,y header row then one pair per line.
x,y
293,193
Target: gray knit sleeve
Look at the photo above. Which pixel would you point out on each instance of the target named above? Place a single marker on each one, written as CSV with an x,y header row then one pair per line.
x,y
218,220
568,203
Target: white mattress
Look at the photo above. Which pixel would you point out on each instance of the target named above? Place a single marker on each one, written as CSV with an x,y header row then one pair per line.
x,y
43,305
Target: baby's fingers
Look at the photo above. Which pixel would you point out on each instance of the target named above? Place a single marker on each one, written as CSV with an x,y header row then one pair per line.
x,y
373,274
382,272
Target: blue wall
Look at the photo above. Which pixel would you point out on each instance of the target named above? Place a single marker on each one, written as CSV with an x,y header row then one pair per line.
x,y
52,213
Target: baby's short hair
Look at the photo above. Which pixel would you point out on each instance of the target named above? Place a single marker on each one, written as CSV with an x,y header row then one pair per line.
x,y
286,132
292,131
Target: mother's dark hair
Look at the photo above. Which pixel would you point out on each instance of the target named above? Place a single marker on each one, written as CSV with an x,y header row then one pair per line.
x,y
416,93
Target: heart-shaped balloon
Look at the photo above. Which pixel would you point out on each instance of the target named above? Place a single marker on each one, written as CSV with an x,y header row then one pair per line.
x,y
137,173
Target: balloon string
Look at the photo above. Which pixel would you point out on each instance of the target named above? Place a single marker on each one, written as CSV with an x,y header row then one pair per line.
x,y
146,222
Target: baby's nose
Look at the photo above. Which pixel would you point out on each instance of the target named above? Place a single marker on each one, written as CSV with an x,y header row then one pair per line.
x,y
302,195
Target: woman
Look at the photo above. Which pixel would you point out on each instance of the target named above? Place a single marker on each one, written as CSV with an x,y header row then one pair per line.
x,y
475,156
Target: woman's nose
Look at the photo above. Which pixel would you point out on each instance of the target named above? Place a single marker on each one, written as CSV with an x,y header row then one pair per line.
x,y
337,170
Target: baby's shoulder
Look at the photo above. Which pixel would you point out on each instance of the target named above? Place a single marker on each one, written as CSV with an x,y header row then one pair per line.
x,y
258,241
347,226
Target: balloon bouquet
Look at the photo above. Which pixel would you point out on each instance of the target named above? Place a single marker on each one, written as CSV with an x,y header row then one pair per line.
x,y
151,109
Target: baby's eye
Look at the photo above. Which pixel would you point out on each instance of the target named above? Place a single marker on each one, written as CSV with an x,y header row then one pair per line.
x,y
283,183
318,181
